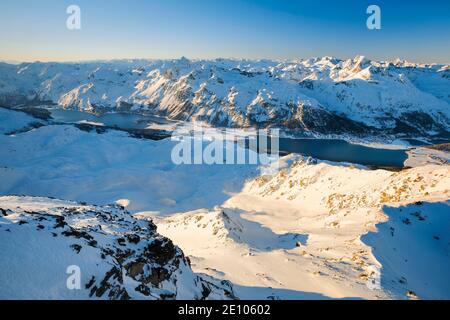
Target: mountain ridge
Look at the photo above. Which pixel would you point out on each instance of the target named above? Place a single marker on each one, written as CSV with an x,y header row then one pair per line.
x,y
323,95
118,257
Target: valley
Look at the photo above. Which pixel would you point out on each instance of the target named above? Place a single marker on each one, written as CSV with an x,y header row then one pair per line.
x,y
355,206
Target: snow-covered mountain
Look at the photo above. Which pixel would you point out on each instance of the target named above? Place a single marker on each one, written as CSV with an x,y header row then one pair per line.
x,y
118,256
324,95
327,228
311,230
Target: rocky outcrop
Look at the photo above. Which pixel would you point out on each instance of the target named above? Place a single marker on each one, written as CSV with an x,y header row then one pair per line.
x,y
119,257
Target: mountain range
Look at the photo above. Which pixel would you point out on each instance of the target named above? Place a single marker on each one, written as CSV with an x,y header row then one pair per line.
x,y
323,95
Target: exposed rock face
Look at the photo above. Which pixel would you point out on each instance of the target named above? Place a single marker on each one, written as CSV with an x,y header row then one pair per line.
x,y
119,257
324,95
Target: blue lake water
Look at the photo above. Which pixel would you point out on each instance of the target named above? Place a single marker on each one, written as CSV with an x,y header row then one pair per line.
x,y
120,120
343,151
325,149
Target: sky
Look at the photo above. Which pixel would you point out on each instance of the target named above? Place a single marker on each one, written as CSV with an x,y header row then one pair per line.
x,y
31,30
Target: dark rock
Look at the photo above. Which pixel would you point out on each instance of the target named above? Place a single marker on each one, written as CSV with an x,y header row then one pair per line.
x,y
157,276
60,223
77,234
143,289
135,268
133,238
160,251
76,248
90,283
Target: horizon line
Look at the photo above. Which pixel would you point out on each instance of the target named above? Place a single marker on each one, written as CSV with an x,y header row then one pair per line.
x,y
89,60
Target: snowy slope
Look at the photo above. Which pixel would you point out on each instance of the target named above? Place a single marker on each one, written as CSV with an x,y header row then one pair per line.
x,y
119,257
413,247
313,230
326,95
67,163
302,230
13,122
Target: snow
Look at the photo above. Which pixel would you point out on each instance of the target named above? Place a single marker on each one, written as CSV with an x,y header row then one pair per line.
x,y
42,239
300,231
422,156
311,230
11,121
238,92
413,248
67,163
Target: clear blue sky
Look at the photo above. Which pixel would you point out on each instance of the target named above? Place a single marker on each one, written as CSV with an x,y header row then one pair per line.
x,y
36,30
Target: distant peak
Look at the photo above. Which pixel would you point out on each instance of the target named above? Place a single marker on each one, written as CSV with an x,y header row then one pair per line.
x,y
183,59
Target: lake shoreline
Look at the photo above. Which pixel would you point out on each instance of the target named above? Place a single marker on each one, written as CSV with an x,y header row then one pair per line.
x,y
336,149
